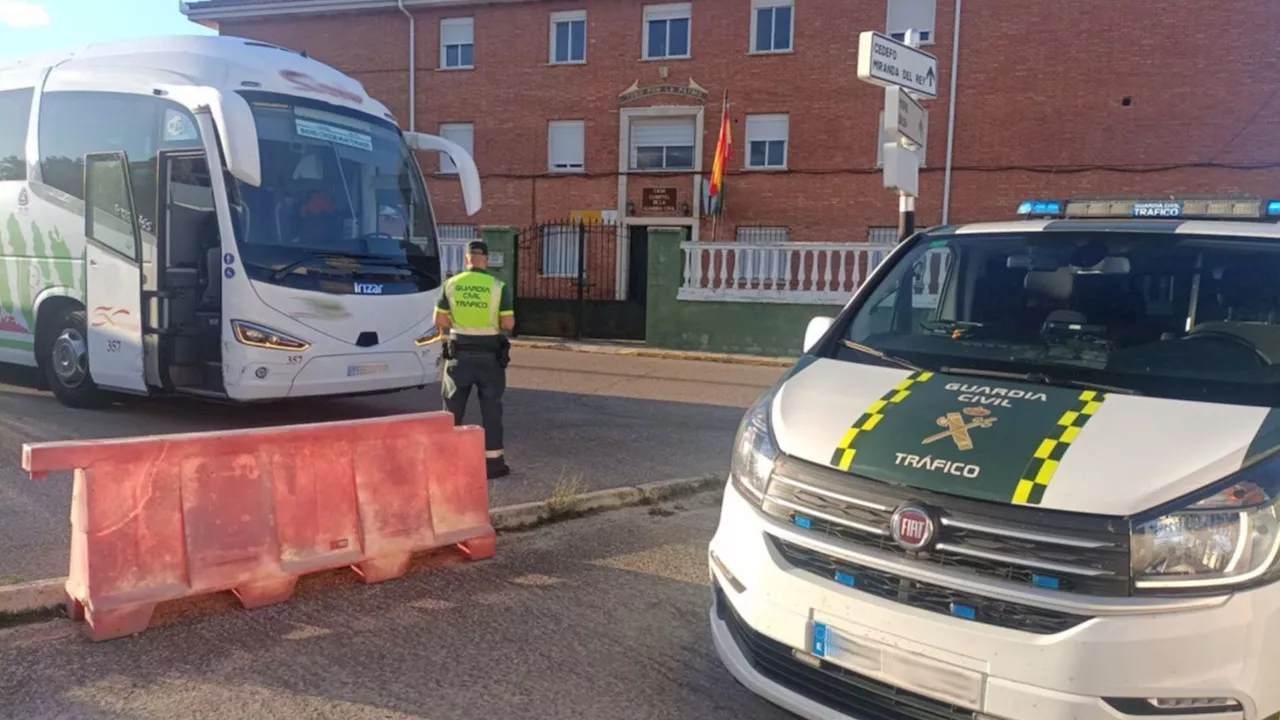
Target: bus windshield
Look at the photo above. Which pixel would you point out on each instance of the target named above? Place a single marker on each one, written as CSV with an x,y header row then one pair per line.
x,y
341,205
1160,314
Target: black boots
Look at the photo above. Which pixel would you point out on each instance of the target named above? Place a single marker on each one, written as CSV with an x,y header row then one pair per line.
x,y
496,468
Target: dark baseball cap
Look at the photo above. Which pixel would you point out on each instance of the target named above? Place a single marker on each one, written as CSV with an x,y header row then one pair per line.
x,y
477,247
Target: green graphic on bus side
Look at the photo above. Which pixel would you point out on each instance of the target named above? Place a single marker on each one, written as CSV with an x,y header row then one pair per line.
x,y
6,292
41,255
48,261
62,259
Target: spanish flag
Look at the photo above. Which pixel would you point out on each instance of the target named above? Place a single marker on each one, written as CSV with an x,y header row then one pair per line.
x,y
724,153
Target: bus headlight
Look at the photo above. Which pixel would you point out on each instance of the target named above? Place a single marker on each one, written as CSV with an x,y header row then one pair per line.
x,y
255,335
1226,539
754,450
429,337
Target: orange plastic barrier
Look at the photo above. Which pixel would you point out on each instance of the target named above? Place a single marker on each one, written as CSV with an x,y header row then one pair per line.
x,y
169,516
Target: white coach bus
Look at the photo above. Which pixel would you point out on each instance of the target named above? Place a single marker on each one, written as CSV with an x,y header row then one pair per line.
x,y
213,216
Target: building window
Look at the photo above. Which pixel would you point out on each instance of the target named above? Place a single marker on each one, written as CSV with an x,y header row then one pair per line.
x,y
560,250
458,233
453,246
569,37
771,26
566,145
887,137
915,15
462,133
457,43
767,142
15,115
667,31
663,143
760,235
882,235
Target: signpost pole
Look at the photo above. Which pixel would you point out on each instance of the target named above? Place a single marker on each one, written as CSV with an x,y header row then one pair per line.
x,y
906,216
908,75
906,202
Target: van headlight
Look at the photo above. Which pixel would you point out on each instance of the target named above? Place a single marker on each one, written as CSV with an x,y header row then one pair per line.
x,y
256,335
1229,538
754,450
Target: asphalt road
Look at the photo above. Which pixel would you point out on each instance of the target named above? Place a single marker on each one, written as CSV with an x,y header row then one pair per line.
x,y
602,617
572,419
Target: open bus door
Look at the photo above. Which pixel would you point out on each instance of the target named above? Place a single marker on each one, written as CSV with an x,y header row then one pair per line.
x,y
113,276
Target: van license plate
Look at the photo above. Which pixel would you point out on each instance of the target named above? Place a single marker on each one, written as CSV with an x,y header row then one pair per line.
x,y
940,681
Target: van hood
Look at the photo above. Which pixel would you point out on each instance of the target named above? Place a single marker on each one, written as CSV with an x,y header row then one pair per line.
x,y
992,439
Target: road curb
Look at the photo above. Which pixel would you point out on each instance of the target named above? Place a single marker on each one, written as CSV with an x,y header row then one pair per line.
x,y
32,596
41,599
659,353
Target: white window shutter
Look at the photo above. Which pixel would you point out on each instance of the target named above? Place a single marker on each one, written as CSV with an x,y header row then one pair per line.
x,y
457,31
911,15
674,11
767,127
462,133
663,131
566,144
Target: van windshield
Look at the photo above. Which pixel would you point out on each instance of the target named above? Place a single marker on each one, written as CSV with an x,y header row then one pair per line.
x,y
1162,314
341,205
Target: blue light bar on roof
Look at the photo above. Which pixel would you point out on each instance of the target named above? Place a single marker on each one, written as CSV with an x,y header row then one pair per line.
x,y
1225,208
1041,208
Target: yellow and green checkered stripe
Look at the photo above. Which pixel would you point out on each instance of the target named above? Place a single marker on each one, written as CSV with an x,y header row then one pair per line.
x,y
845,452
1043,465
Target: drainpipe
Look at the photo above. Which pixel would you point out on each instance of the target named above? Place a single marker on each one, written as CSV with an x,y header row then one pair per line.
x,y
413,74
951,115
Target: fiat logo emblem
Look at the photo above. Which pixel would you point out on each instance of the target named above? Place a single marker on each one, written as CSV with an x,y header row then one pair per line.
x,y
912,527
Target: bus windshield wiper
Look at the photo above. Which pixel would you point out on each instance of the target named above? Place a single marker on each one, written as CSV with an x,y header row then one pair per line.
x,y
310,255
280,274
881,355
1041,379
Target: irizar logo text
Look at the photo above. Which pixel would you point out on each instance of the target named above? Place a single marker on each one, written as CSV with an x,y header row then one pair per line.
x,y
368,289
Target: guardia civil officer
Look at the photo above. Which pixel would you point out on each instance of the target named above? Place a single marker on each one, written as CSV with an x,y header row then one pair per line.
x,y
474,313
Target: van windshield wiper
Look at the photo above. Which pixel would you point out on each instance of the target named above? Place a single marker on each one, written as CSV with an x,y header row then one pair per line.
x,y
1041,379
881,355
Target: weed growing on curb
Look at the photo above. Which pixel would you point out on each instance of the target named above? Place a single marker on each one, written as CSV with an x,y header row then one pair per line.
x,y
563,502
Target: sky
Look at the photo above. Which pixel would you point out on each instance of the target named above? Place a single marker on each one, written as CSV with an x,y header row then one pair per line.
x,y
31,26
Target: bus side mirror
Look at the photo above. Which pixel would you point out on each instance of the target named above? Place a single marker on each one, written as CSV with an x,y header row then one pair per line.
x,y
817,328
468,175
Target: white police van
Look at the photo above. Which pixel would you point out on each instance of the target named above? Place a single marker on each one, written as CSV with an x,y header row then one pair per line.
x,y
1043,487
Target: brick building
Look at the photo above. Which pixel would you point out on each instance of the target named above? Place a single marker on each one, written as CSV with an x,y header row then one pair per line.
x,y
579,105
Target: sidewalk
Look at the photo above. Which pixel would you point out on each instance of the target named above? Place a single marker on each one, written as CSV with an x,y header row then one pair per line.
x,y
604,617
635,349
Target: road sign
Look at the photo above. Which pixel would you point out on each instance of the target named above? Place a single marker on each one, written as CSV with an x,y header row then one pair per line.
x,y
901,169
903,116
886,62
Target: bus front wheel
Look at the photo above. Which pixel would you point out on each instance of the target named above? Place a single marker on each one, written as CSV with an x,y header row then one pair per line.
x,y
66,362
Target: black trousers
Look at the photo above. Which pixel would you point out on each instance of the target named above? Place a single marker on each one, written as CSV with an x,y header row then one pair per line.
x,y
482,371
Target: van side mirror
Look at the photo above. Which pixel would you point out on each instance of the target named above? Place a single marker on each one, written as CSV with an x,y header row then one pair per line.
x,y
817,328
468,175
